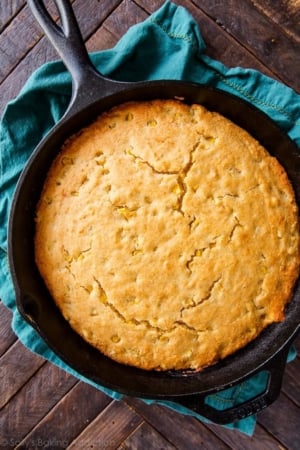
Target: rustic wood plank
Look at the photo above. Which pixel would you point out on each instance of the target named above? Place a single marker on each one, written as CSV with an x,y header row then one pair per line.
x,y
79,406
17,365
15,41
219,44
259,35
33,401
8,10
226,48
291,385
43,52
90,17
238,441
119,22
285,13
102,39
7,336
282,420
147,438
180,430
116,25
109,429
15,81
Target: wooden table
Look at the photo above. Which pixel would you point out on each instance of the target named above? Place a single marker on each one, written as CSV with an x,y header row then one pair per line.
x,y
42,406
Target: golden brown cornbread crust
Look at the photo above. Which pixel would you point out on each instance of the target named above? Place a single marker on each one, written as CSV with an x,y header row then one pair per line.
x,y
167,236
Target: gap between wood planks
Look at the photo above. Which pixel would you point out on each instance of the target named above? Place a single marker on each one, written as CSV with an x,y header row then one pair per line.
x,y
270,419
239,46
279,417
34,400
281,11
7,14
27,46
14,359
7,336
258,34
207,8
91,31
79,406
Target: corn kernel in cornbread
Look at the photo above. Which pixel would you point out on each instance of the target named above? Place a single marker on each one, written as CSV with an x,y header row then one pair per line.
x,y
167,236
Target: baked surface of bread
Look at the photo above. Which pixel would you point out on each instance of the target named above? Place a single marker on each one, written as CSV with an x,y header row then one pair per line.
x,y
167,236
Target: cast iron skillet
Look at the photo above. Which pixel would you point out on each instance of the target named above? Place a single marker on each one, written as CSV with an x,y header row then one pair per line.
x,y
93,94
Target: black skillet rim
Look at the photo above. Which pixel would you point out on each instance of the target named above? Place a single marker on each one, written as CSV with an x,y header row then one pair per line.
x,y
164,381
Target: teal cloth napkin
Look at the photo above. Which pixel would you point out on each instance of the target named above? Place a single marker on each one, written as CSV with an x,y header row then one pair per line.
x,y
168,45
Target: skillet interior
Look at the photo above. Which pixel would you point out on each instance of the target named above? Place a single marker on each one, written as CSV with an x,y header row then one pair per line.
x,y
37,307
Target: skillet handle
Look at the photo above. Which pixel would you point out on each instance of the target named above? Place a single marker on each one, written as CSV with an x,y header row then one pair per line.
x,y
275,368
69,44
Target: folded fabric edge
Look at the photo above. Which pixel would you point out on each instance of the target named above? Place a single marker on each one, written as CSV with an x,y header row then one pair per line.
x,y
232,85
32,341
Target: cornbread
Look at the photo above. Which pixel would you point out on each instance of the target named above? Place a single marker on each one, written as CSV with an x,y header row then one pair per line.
x,y
167,235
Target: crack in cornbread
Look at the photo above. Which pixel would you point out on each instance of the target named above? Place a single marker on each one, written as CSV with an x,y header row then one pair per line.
x,y
167,236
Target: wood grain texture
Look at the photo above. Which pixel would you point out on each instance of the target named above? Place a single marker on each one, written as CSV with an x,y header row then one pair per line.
x,y
12,84
33,401
177,428
15,41
219,44
7,336
36,49
291,385
109,429
8,10
258,34
285,13
102,39
277,417
262,439
68,417
42,406
119,19
112,29
15,370
151,439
